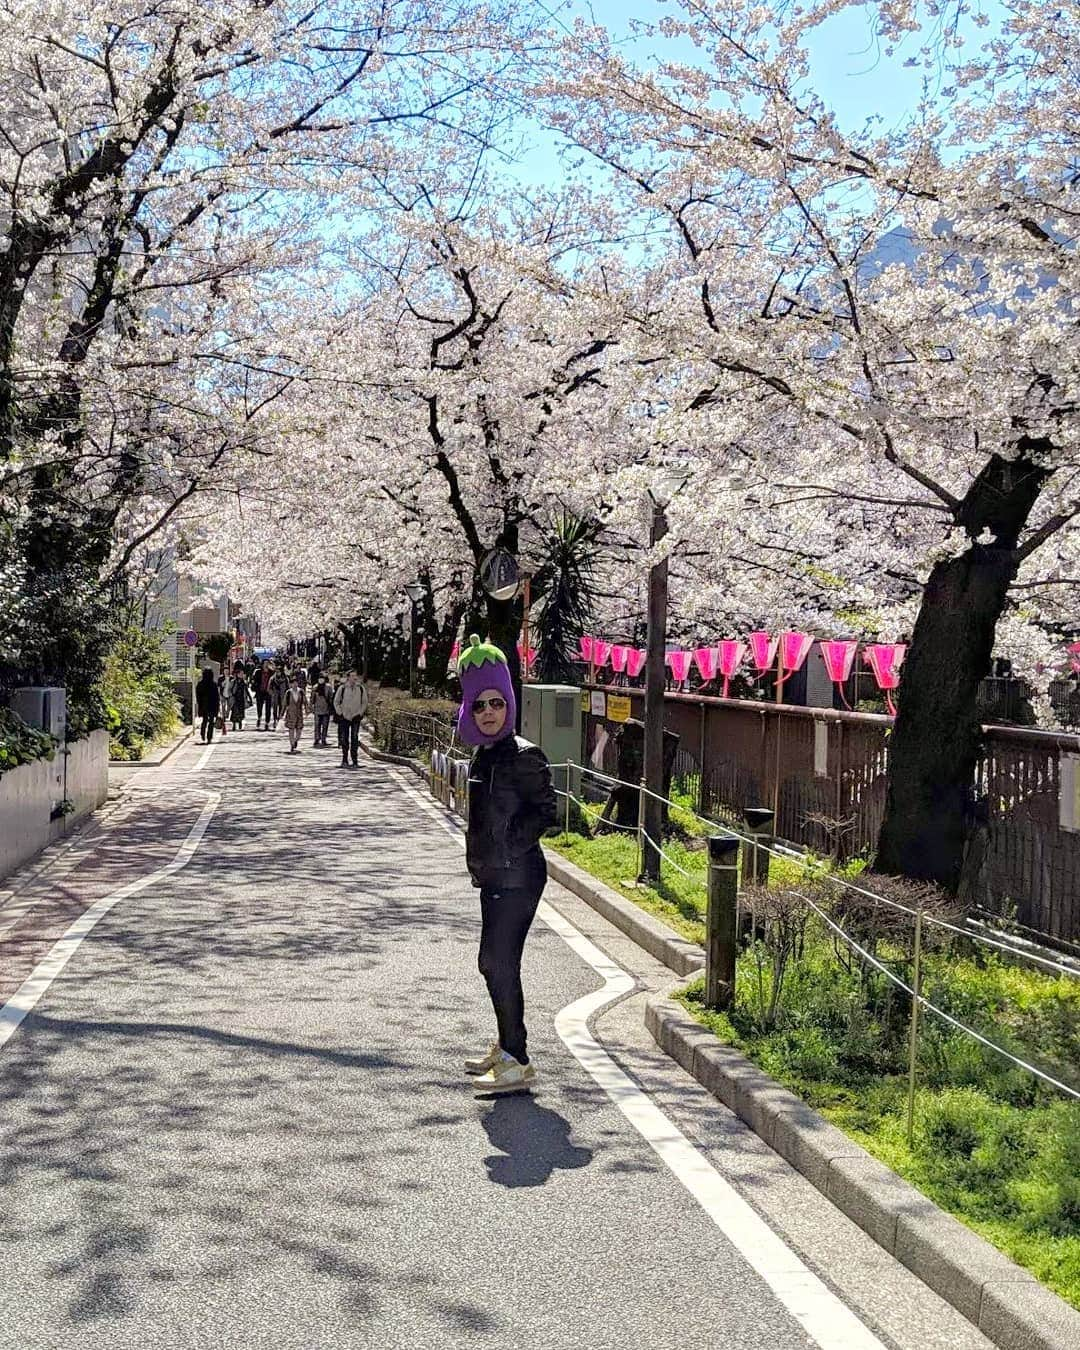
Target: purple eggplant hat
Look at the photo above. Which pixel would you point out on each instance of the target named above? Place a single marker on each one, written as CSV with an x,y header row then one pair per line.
x,y
483,666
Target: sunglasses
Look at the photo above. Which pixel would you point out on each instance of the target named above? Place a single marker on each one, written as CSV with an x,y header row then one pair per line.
x,y
495,704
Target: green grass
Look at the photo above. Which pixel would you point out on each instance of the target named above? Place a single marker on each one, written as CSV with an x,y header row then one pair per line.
x,y
991,1144
613,859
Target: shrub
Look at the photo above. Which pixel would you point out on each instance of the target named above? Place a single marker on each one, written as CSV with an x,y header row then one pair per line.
x,y
137,688
22,744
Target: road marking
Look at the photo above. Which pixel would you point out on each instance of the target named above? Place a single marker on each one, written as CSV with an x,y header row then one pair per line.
x,y
27,996
204,758
824,1316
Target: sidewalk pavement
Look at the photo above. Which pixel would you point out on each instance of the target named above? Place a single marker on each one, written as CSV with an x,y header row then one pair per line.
x,y
236,1116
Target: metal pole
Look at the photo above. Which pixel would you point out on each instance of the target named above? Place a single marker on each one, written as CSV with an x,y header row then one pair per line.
x,y
567,785
654,702
720,937
526,601
412,651
641,829
916,985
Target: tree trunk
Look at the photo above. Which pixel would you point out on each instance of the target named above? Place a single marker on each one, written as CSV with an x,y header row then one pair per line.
x,y
935,742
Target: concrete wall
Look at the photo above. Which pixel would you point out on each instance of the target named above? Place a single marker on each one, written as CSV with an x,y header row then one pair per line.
x,y
29,793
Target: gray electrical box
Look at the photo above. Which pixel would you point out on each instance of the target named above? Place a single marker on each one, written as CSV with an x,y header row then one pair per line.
x,y
551,719
44,707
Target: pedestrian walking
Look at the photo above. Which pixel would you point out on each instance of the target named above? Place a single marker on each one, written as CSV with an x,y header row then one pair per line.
x,y
295,708
240,694
350,705
260,687
279,688
207,704
322,706
511,804
224,685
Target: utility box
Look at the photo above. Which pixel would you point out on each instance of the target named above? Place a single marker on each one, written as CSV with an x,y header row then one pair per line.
x,y
551,719
44,707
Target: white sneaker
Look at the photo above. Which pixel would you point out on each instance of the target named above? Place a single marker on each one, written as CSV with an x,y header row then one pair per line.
x,y
482,1063
505,1075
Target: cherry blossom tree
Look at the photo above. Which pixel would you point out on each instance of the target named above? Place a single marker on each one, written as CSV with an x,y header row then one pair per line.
x,y
871,335
163,174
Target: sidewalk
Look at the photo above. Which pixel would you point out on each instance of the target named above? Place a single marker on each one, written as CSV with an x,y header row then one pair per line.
x,y
238,1112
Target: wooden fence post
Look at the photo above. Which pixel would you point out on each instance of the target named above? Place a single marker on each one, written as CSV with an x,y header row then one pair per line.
x,y
720,921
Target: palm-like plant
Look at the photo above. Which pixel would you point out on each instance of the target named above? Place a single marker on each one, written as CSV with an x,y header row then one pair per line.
x,y
567,581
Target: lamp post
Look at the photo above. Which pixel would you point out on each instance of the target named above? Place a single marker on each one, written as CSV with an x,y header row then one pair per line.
x,y
652,813
415,592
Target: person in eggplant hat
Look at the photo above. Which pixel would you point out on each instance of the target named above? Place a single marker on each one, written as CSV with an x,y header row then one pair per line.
x,y
511,804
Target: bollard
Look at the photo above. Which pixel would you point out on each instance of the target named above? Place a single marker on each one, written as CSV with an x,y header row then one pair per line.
x,y
720,937
566,825
755,861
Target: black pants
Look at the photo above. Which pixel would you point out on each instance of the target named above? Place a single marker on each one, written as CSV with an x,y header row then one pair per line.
x,y
322,726
349,739
262,706
207,732
507,916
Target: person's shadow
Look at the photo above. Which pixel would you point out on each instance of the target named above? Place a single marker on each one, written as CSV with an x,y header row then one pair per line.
x,y
532,1140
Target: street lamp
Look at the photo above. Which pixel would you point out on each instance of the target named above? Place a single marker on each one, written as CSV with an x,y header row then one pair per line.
x,y
664,488
415,592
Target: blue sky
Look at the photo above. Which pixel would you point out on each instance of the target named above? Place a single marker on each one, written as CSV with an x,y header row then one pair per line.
x,y
848,71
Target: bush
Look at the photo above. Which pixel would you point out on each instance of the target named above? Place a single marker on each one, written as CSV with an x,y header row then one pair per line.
x,y
402,725
22,744
137,688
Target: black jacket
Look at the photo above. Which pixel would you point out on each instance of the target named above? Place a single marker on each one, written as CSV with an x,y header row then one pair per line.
x,y
207,698
511,804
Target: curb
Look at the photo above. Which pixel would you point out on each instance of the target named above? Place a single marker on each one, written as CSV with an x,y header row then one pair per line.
x,y
1007,1304
159,756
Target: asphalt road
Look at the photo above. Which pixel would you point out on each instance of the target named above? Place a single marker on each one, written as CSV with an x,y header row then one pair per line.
x,y
236,1116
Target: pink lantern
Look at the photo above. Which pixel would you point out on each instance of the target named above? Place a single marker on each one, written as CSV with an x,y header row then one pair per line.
x,y
587,647
794,647
635,660
680,665
730,652
619,653
705,660
839,657
601,652
762,650
885,659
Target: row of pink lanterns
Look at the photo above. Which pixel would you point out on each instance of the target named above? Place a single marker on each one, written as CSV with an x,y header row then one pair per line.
x,y
787,651
455,652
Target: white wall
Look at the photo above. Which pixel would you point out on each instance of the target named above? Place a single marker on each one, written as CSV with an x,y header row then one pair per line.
x,y
28,794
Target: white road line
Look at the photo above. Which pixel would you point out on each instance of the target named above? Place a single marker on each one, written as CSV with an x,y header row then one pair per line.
x,y
26,997
204,758
824,1316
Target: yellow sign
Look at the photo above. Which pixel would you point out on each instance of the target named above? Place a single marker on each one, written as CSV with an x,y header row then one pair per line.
x,y
618,708
584,700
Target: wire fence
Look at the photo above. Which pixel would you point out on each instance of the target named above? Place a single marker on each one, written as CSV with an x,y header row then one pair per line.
x,y
449,782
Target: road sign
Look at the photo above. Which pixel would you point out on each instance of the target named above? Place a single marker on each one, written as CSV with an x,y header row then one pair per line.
x,y
191,638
